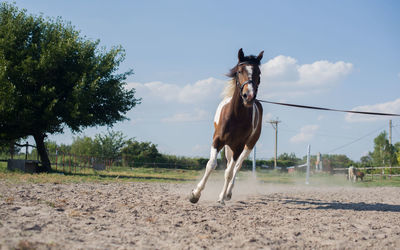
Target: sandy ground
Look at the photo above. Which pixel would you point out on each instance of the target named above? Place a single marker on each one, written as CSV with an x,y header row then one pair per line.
x,y
159,216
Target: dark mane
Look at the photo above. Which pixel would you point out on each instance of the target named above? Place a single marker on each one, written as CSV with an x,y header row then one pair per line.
x,y
251,60
248,59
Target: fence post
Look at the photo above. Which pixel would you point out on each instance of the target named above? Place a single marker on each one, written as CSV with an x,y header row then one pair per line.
x,y
69,162
56,158
308,164
63,161
75,162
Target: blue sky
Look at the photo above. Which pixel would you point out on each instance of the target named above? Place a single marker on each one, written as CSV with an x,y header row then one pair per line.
x,y
338,54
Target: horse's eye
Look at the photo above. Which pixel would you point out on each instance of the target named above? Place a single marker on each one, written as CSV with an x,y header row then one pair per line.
x,y
239,71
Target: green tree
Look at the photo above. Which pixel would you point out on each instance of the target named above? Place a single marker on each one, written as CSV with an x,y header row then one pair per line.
x,y
109,145
83,146
51,78
397,150
366,160
336,161
384,153
135,151
288,160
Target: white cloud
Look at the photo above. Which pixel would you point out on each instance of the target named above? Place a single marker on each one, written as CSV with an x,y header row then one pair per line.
x,y
392,107
200,91
284,76
198,115
267,117
280,69
281,76
323,72
306,134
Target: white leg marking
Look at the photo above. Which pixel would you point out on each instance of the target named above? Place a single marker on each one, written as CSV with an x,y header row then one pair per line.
x,y
245,153
211,164
228,178
228,153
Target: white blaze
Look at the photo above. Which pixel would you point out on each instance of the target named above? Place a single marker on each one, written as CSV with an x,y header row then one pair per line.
x,y
250,89
249,71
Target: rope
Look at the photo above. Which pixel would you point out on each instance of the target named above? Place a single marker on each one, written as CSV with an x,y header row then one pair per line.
x,y
328,109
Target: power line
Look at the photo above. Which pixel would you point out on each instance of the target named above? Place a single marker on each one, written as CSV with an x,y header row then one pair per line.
x,y
356,140
317,134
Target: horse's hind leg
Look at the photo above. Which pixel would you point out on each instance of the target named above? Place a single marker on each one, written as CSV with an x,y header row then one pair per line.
x,y
211,164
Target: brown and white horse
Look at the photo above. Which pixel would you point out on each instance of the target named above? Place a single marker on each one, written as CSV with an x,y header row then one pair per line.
x,y
237,123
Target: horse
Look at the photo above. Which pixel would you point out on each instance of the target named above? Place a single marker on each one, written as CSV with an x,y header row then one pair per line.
x,y
360,175
237,123
354,174
350,174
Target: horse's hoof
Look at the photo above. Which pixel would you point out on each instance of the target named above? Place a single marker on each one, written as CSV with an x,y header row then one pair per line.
x,y
221,202
193,199
229,196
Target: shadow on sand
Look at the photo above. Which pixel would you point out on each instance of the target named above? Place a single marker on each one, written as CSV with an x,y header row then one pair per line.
x,y
356,206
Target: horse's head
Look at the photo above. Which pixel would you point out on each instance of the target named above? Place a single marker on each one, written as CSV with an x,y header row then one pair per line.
x,y
247,76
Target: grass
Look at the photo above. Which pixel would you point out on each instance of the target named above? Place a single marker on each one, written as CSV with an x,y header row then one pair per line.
x,y
324,179
118,174
89,175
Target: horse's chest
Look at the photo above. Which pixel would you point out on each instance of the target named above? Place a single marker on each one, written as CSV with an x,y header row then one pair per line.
x,y
233,129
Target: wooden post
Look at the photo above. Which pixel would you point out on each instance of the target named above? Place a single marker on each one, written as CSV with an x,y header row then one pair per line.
x,y
56,158
308,165
26,151
63,161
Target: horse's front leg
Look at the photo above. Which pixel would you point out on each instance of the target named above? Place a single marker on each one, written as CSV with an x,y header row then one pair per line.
x,y
245,153
211,164
228,178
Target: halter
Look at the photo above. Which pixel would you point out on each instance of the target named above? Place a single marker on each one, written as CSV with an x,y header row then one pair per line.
x,y
241,86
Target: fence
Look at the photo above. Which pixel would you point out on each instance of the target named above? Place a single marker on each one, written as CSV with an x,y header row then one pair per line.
x,y
71,162
385,171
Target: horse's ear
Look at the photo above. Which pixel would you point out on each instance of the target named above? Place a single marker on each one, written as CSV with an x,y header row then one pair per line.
x,y
241,55
260,56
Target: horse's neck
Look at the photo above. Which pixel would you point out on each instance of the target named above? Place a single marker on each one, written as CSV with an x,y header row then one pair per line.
x,y
238,108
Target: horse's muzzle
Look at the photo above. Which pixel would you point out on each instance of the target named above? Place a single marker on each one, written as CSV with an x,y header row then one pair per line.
x,y
248,100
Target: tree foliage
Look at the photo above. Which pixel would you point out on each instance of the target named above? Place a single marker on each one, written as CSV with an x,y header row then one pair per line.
x,y
336,161
51,77
135,151
384,153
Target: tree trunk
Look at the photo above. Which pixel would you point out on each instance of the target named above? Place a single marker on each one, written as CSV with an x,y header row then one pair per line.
x,y
41,148
12,148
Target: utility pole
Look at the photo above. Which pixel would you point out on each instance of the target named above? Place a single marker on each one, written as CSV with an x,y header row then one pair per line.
x,y
275,126
390,132
390,144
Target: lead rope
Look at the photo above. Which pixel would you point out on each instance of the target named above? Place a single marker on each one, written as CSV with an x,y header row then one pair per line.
x,y
329,109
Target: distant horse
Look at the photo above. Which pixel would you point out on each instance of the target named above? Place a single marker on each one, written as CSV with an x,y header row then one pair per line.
x,y
237,123
354,174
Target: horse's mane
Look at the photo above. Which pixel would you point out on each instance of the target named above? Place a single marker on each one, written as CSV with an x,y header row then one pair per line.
x,y
231,84
229,88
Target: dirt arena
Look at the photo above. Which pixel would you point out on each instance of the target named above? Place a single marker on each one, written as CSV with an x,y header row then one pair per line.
x,y
159,216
